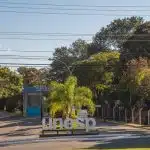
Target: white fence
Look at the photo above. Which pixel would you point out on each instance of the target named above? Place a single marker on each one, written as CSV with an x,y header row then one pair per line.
x,y
134,115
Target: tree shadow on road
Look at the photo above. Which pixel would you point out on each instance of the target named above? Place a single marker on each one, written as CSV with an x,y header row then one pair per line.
x,y
22,127
22,122
142,142
126,143
22,132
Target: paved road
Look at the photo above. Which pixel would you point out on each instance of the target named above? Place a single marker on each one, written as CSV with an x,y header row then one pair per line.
x,y
21,128
94,142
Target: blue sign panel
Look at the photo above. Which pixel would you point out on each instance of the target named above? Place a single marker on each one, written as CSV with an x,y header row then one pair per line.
x,y
34,105
33,111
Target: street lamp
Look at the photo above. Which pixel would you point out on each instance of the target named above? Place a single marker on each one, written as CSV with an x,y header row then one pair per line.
x,y
67,67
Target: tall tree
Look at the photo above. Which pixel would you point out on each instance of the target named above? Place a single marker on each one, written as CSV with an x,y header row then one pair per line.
x,y
64,57
31,76
116,33
10,86
143,84
98,72
131,81
138,44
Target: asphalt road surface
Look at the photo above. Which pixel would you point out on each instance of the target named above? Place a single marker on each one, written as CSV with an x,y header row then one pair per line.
x,y
118,141
110,136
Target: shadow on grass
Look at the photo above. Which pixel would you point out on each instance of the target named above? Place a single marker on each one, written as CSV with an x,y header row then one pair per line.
x,y
142,142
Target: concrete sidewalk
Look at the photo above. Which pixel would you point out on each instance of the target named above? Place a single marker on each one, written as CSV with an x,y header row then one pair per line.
x,y
146,127
5,114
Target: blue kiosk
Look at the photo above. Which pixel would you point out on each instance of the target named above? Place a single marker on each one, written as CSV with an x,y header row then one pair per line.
x,y
33,101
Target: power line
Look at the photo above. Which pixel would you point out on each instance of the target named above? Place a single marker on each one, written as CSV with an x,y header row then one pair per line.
x,y
70,14
65,5
25,51
39,34
16,66
72,64
23,64
37,39
54,51
26,58
47,34
40,39
62,34
65,34
87,67
18,38
33,66
22,56
71,9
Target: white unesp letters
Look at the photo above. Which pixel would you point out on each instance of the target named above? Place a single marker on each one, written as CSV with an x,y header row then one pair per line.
x,y
59,123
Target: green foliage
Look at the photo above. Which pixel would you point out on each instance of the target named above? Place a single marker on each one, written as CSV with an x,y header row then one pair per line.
x,y
33,76
138,44
63,97
67,56
99,72
140,76
10,85
102,87
99,69
110,74
132,80
143,82
116,33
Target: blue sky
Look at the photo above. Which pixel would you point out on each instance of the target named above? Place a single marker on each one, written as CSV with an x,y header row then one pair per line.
x,y
15,22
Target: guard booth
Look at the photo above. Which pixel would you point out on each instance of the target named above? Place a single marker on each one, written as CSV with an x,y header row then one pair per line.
x,y
33,101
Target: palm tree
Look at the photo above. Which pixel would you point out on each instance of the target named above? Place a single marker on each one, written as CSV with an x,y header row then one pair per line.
x,y
63,97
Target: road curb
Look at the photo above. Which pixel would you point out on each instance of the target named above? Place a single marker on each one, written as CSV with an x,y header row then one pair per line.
x,y
129,125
